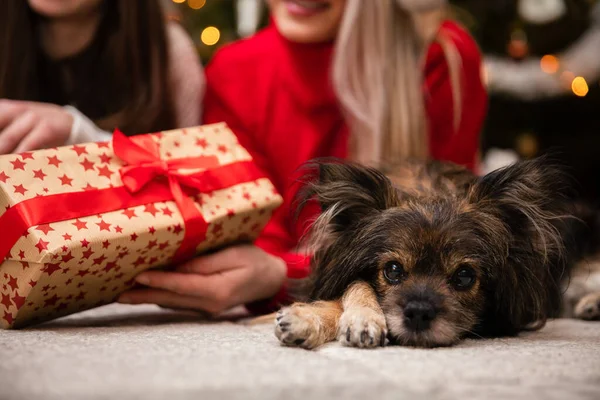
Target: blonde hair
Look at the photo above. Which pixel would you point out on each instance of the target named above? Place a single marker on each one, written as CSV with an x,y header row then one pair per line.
x,y
377,77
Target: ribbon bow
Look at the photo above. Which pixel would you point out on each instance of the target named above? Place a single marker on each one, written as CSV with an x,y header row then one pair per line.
x,y
144,165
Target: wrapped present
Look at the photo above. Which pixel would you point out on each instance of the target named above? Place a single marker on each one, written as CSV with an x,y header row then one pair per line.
x,y
78,223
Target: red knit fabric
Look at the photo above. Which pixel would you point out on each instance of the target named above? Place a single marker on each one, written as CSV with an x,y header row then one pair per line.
x,y
278,99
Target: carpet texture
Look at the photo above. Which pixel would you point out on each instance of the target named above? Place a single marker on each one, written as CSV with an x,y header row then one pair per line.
x,y
125,352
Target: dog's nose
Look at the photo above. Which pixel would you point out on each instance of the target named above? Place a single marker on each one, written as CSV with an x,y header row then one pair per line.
x,y
418,315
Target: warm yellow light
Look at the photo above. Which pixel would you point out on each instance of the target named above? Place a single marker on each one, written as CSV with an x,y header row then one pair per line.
x,y
580,87
210,36
549,64
178,1
196,4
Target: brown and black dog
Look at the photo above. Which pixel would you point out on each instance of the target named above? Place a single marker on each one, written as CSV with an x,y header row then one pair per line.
x,y
424,254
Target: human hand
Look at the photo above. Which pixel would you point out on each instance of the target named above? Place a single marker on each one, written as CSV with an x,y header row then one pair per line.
x,y
214,283
26,126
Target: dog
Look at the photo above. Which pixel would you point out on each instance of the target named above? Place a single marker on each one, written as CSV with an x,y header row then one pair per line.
x,y
426,254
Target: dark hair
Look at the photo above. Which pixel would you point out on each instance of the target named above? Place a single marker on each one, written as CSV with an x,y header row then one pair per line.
x,y
125,68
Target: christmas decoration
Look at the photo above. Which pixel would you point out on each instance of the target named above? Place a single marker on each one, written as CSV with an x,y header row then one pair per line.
x,y
79,223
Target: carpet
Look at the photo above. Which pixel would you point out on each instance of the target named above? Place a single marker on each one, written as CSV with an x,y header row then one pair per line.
x,y
143,352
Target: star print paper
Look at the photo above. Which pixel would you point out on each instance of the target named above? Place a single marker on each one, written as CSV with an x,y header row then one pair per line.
x,y
63,267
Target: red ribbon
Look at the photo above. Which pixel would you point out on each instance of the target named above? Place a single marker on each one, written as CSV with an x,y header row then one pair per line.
x,y
147,179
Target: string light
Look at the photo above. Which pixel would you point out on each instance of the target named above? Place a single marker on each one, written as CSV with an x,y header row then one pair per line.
x,y
196,4
549,64
210,36
580,87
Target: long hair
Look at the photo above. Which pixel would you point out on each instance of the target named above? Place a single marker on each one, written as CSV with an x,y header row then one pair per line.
x,y
377,75
133,58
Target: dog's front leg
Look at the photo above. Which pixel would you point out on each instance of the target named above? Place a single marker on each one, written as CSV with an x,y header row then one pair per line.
x,y
308,325
362,323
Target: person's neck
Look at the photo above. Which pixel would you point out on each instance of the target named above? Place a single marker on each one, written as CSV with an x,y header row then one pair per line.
x,y
428,23
64,37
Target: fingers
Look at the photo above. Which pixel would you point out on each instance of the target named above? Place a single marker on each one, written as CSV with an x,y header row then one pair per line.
x,y
39,137
167,299
11,136
9,110
214,287
226,259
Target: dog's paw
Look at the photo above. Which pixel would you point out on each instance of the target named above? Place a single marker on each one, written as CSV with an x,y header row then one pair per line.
x,y
588,307
362,327
294,326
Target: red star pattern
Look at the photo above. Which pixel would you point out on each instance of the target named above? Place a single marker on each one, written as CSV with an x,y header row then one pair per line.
x,y
152,261
80,296
18,301
8,317
88,187
85,243
223,149
151,209
247,196
45,228
103,226
166,211
123,254
65,180
46,288
119,275
80,224
152,244
18,164
217,228
139,261
42,245
6,301
104,158
230,213
27,155
32,283
104,145
66,270
51,268
118,229
177,229
152,230
83,272
66,236
110,266
3,177
105,244
21,254
80,150
25,265
87,254
202,143
134,237
39,174
20,189
12,282
67,257
54,161
87,165
105,171
51,301
68,282
61,307
129,213
100,260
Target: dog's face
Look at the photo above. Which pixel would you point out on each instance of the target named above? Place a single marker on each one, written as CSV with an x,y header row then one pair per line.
x,y
449,256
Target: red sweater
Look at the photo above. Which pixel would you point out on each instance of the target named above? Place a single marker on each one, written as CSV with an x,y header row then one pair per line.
x,y
278,99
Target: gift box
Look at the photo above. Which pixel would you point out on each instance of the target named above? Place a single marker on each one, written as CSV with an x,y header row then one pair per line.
x,y
78,223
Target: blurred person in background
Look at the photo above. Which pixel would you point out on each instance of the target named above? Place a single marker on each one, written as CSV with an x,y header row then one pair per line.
x,y
371,81
73,71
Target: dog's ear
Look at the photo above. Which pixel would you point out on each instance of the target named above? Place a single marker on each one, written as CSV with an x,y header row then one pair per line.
x,y
529,198
348,195
346,192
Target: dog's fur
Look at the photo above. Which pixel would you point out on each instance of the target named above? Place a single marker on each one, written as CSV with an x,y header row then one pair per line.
x,y
512,229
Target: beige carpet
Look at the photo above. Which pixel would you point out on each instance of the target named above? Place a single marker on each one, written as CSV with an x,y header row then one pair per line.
x,y
121,352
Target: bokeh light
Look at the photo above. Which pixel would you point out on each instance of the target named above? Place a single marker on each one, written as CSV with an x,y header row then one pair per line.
x,y
580,87
178,1
549,64
210,35
196,4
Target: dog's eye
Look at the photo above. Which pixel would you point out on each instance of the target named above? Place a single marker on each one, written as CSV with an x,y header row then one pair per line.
x,y
394,272
463,278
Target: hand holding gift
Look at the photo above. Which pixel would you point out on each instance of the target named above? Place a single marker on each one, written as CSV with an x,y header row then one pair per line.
x,y
80,223
234,276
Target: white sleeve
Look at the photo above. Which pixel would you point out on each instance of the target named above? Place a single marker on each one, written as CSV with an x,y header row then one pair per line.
x,y
84,130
